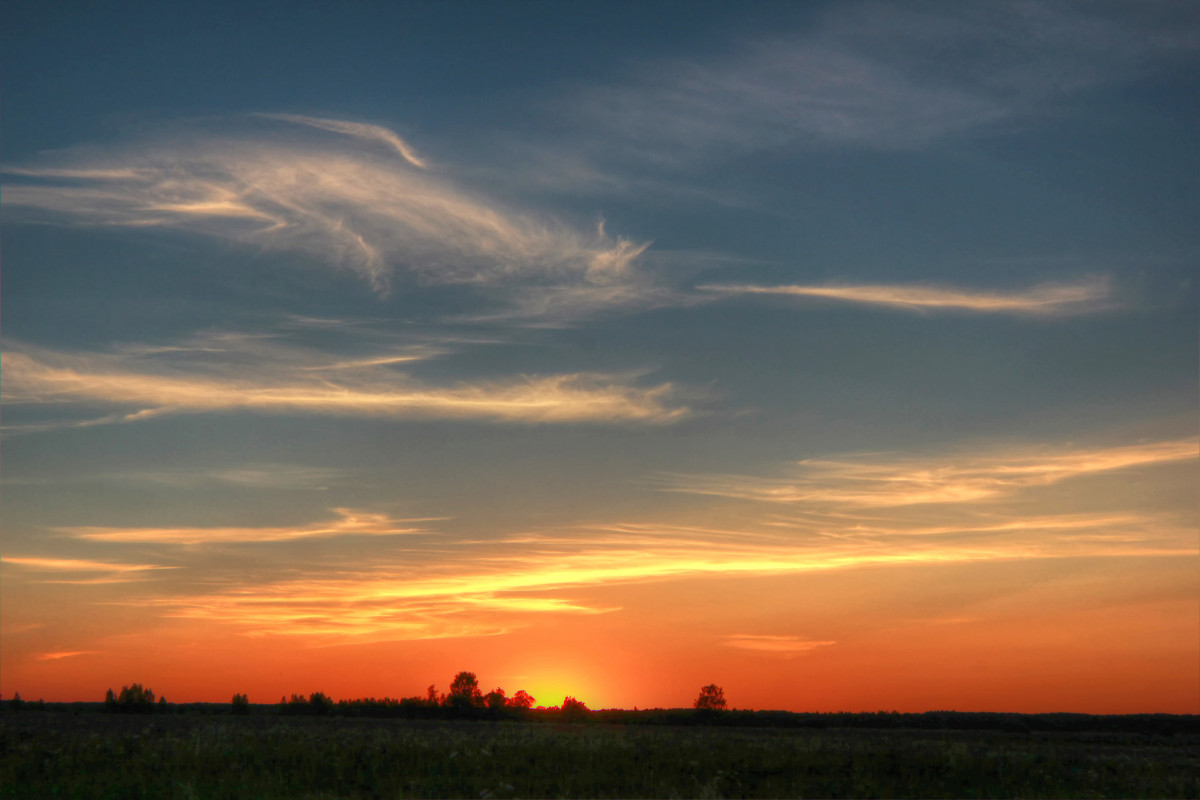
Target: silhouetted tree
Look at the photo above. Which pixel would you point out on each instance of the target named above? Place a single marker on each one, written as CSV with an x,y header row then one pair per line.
x,y
15,703
712,698
495,699
296,704
464,691
241,704
520,700
135,694
135,698
432,697
318,703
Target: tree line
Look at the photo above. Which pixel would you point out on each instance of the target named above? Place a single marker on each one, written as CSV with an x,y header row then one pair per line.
x,y
464,699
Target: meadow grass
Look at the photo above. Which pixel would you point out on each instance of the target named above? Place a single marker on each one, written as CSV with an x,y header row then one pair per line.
x,y
114,756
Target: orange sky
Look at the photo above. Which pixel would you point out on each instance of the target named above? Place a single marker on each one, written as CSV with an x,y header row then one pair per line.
x,y
1043,608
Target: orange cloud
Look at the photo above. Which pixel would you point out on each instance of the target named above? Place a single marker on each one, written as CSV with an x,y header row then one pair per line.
x,y
65,654
1048,299
492,587
963,478
773,644
348,523
75,564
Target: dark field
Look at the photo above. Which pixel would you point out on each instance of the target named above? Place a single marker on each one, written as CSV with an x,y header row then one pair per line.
x,y
94,755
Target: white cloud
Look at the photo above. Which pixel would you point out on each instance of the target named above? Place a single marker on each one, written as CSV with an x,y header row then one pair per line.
x,y
335,202
359,130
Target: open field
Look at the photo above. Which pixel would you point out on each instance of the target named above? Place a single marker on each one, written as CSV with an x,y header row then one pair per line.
x,y
92,755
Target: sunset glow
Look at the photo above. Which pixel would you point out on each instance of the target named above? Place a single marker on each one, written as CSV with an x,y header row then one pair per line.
x,y
605,352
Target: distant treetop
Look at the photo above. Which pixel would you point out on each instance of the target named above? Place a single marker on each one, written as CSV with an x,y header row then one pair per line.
x,y
712,698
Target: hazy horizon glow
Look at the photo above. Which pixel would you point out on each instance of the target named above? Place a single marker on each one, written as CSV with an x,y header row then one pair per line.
x,y
604,354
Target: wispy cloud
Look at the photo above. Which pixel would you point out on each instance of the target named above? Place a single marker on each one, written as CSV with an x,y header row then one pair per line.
x,y
471,586
784,645
256,476
284,380
340,205
360,130
487,588
348,522
883,481
1045,300
55,656
864,512
75,565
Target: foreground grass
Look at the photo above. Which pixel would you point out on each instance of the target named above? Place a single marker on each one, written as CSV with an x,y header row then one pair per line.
x,y
108,756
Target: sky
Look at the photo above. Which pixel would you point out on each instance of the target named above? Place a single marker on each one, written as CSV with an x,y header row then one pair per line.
x,y
844,355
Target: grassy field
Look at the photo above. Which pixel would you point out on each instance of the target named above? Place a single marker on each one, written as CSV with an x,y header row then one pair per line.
x,y
92,755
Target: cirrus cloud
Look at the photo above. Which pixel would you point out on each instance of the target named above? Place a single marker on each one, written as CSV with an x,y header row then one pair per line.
x,y
278,381
337,202
1085,296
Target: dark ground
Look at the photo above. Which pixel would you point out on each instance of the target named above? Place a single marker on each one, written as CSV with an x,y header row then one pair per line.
x,y
86,754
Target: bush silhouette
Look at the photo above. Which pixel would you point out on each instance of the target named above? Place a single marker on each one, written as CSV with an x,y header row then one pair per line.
x,y
520,700
573,709
319,704
495,699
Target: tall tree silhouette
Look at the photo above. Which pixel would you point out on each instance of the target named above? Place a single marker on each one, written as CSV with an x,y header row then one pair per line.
x,y
464,691
712,698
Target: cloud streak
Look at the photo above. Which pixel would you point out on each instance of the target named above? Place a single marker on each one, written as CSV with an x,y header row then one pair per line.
x,y
360,130
347,523
75,565
55,656
1044,300
786,645
961,479
251,377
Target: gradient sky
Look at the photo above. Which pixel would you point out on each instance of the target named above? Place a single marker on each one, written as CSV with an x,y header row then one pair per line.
x,y
842,354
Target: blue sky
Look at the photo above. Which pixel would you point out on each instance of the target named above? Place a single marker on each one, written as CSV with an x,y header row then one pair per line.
x,y
475,305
